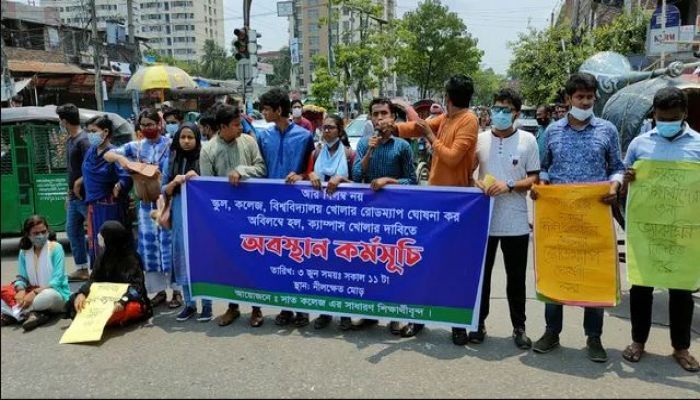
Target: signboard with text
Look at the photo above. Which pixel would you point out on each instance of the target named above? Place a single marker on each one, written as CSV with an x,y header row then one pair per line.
x,y
403,253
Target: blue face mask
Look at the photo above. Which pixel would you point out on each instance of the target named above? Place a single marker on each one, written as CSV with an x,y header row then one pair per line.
x,y
171,129
95,138
502,120
669,129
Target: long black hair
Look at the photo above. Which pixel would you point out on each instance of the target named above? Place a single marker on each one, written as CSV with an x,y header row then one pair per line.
x,y
25,243
119,257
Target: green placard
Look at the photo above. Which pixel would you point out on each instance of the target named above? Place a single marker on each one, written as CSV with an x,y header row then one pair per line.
x,y
663,225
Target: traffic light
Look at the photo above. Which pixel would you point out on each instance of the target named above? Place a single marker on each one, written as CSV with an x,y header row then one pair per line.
x,y
253,47
241,43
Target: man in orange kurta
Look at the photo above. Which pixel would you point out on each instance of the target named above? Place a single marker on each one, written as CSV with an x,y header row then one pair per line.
x,y
453,136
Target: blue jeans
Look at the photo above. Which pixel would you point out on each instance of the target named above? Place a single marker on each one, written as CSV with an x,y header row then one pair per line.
x,y
592,319
189,301
76,215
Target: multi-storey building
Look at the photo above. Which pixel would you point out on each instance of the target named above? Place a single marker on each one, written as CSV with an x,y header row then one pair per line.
x,y
176,28
313,37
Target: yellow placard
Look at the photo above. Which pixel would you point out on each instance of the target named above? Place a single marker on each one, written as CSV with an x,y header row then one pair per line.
x,y
575,246
89,324
488,181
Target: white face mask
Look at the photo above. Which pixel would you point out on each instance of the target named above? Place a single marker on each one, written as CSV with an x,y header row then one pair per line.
x,y
581,114
296,112
100,241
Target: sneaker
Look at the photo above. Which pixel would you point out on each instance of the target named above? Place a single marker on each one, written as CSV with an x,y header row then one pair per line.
x,y
34,320
478,336
521,340
205,315
79,275
596,352
186,313
548,342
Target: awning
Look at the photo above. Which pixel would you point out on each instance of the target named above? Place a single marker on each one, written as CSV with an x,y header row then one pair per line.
x,y
44,67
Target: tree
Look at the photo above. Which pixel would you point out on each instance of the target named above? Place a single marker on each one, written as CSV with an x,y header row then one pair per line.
x,y
543,60
324,84
215,63
486,83
191,67
282,66
430,38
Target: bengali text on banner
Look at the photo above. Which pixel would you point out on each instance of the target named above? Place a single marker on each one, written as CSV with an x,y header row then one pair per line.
x,y
575,246
403,253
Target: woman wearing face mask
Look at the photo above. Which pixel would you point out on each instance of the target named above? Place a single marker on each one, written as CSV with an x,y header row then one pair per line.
x,y
154,243
107,185
41,287
117,262
297,110
332,163
184,164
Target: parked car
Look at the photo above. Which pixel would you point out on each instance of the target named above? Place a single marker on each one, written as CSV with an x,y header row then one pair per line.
x,y
357,128
527,120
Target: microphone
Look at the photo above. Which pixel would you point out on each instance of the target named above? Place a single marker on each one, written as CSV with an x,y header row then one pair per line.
x,y
377,132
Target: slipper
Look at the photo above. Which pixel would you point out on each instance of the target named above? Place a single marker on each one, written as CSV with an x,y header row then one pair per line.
x,y
158,299
301,321
284,318
687,361
176,301
633,353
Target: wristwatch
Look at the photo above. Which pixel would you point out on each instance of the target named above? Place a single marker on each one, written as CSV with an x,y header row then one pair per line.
x,y
511,185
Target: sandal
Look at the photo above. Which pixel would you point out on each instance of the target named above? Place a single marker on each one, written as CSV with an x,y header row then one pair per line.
x,y
158,299
686,361
176,301
301,320
633,353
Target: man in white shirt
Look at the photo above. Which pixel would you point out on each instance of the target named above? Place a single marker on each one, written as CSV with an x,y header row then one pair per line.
x,y
509,164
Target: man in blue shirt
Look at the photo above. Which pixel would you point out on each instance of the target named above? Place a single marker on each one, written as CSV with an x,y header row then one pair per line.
x,y
286,148
671,140
580,148
543,121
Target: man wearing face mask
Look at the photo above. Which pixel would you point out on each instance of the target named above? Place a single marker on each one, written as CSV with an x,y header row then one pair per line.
x,y
297,109
580,148
509,155
671,140
77,146
173,119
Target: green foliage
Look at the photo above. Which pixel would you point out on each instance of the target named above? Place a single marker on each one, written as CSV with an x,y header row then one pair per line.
x,y
486,83
324,84
430,38
214,64
542,60
282,66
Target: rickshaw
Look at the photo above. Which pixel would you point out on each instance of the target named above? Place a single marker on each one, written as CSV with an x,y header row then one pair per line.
x,y
34,164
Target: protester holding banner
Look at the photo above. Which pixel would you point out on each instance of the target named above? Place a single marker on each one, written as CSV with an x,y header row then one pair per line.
x,y
511,157
453,138
383,159
41,287
580,148
671,140
184,164
286,149
236,156
107,185
154,243
332,164
118,262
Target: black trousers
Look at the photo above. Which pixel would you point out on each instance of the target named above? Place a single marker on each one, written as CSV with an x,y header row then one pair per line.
x,y
680,313
514,250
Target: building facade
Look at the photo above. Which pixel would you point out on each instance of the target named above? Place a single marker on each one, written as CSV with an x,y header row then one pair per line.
x,y
174,28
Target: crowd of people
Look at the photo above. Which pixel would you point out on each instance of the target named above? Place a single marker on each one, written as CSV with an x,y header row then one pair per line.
x,y
571,146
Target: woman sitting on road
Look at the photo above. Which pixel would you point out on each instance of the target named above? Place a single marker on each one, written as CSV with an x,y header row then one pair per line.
x,y
117,262
41,288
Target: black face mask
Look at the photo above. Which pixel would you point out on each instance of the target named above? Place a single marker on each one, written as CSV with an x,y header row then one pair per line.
x,y
543,121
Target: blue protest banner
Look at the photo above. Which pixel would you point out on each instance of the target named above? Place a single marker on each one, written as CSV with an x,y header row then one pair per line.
x,y
406,253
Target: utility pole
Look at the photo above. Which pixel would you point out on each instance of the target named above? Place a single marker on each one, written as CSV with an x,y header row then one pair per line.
x,y
662,60
136,56
7,81
96,57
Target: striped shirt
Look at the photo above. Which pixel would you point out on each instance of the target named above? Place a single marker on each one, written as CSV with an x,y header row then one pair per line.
x,y
393,159
577,156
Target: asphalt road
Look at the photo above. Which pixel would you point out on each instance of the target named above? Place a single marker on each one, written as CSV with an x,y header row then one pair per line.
x,y
165,358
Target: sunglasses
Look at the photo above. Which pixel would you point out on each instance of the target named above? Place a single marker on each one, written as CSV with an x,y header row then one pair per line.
x,y
499,109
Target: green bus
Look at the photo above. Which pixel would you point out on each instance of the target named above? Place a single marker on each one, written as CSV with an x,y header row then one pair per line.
x,y
33,164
